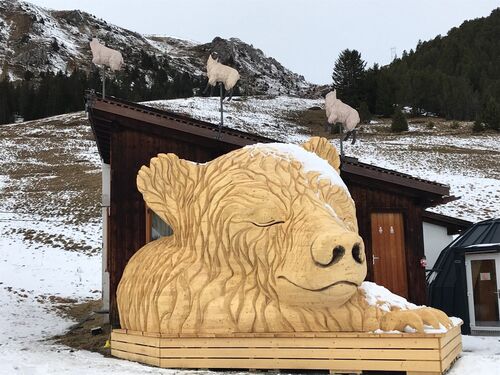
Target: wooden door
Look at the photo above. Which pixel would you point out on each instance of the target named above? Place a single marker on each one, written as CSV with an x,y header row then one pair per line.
x,y
388,252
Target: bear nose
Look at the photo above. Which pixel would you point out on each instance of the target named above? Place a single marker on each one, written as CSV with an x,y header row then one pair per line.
x,y
357,253
337,254
350,243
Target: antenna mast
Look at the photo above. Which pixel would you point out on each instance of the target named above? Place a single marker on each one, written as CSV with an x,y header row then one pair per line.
x,y
394,54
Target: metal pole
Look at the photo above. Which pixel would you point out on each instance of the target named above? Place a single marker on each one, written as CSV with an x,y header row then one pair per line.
x,y
221,106
341,140
221,112
103,77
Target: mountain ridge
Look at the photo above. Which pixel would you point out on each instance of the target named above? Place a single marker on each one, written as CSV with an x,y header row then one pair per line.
x,y
36,39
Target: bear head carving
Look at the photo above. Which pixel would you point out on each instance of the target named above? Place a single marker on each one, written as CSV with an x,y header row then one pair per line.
x,y
260,230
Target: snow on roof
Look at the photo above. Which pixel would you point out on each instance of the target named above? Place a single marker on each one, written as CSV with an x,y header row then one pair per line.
x,y
483,245
309,160
265,116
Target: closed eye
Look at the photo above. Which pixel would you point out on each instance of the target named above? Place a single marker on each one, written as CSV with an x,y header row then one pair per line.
x,y
268,224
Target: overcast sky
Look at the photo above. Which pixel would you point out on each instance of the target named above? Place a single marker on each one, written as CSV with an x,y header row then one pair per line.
x,y
304,35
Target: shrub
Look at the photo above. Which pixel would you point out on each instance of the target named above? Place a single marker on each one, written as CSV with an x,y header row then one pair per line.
x,y
490,115
478,126
399,123
430,125
335,128
365,115
55,45
455,125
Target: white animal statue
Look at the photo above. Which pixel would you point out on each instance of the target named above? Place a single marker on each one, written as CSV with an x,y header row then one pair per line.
x,y
339,112
218,72
102,55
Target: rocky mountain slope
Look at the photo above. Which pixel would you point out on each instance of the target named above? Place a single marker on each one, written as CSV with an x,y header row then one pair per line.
x,y
34,39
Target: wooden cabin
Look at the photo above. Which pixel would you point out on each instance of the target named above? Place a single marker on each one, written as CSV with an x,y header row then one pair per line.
x,y
465,281
390,205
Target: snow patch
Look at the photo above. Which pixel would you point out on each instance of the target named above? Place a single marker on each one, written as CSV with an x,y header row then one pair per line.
x,y
309,160
384,299
377,295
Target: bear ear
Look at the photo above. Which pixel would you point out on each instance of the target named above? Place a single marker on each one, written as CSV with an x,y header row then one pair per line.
x,y
167,186
325,150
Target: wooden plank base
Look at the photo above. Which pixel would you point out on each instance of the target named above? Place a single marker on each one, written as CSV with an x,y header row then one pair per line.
x,y
337,352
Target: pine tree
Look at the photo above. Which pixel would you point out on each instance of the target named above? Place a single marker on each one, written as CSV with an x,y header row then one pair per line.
x,y
385,98
348,75
399,123
490,115
364,113
370,87
5,101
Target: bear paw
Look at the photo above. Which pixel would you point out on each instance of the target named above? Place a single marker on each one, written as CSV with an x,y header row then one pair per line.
x,y
417,318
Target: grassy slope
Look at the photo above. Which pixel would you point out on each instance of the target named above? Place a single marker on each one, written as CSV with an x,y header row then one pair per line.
x,y
51,171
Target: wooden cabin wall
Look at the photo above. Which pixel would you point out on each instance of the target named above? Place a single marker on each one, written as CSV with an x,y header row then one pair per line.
x,y
369,200
130,150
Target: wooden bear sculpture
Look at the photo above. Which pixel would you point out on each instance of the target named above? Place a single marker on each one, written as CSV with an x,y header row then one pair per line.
x,y
265,239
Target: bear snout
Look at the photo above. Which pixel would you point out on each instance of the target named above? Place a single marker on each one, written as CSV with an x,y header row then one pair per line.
x,y
332,249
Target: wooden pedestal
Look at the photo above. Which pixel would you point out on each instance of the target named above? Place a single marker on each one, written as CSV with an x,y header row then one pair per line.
x,y
337,352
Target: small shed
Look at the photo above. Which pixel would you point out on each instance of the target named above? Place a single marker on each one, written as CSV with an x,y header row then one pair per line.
x,y
390,205
466,279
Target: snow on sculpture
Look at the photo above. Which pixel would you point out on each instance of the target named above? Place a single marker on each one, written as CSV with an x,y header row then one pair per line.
x,y
265,239
102,55
218,72
339,112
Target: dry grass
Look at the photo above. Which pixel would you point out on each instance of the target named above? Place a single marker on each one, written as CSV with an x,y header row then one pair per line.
x,y
52,174
312,119
79,336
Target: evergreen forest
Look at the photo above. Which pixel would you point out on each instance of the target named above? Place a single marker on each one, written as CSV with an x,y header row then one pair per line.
x,y
456,76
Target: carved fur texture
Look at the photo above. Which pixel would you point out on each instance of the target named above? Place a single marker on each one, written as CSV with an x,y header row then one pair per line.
x,y
260,244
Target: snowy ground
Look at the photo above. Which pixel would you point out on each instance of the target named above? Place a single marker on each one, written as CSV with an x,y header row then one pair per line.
x,y
50,227
468,164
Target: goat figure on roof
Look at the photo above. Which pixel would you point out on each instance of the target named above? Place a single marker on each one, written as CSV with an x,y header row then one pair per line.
x,y
220,73
104,56
339,112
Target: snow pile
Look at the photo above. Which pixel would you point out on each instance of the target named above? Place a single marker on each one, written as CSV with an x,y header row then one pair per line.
x,y
377,295
309,160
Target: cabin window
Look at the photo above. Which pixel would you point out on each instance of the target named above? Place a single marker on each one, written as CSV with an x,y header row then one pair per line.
x,y
155,226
